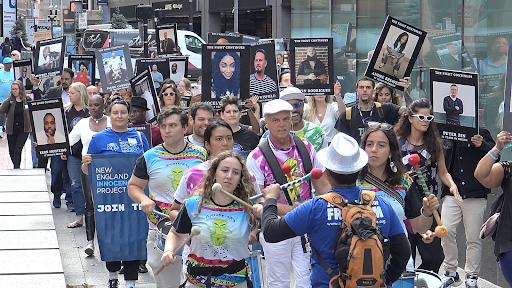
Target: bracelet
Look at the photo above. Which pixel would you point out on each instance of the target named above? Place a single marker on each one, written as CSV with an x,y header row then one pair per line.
x,y
499,151
492,156
425,216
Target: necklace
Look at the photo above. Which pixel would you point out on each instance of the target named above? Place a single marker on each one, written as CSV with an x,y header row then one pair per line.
x,y
98,120
118,135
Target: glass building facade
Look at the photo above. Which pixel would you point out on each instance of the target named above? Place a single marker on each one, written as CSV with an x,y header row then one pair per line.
x,y
476,32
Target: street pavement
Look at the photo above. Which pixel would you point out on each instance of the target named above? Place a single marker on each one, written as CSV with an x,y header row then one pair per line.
x,y
81,271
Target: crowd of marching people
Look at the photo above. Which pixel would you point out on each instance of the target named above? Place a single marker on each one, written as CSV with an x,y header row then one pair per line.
x,y
200,159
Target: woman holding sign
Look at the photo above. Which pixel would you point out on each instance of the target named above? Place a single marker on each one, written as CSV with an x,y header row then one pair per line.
x,y
118,140
18,124
217,255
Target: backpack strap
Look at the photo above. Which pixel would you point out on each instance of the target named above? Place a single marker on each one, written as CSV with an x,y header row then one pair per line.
x,y
367,197
384,187
306,160
348,113
265,149
378,108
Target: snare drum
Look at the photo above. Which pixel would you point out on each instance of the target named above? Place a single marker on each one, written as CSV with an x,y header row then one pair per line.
x,y
427,279
162,229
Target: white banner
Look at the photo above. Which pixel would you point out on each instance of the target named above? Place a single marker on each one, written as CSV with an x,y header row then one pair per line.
x,y
9,16
42,25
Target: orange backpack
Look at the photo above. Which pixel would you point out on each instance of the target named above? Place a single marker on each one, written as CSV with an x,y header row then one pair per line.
x,y
358,250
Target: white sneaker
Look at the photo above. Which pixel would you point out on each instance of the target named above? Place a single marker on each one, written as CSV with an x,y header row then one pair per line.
x,y
382,65
89,249
471,282
451,281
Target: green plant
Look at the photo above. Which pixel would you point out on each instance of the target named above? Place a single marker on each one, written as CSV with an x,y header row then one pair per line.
x,y
19,25
118,20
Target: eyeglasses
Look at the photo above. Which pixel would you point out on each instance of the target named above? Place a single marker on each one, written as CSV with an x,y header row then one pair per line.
x,y
423,117
377,125
297,105
168,94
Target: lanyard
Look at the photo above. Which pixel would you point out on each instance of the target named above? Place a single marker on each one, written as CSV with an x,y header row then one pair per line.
x,y
361,114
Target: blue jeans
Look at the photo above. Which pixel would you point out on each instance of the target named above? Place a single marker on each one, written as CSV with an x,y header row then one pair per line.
x,y
60,178
74,171
506,266
35,161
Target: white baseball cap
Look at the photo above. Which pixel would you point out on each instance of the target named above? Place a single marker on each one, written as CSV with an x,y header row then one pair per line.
x,y
276,105
291,93
343,156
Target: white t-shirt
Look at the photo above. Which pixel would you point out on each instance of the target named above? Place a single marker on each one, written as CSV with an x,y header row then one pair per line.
x,y
330,119
115,63
82,131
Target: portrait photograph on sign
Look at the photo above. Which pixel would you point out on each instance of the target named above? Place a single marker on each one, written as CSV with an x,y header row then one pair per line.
x,y
115,67
48,57
23,72
455,103
451,53
222,73
396,52
178,67
142,86
167,39
311,65
84,67
49,127
159,69
263,78
420,83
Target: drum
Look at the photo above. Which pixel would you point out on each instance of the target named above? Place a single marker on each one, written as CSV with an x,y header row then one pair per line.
x,y
427,279
162,229
257,273
419,279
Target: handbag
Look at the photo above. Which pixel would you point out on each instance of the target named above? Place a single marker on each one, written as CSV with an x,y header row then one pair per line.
x,y
489,228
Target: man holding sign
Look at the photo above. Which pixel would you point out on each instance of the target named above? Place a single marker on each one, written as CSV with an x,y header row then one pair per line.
x,y
161,169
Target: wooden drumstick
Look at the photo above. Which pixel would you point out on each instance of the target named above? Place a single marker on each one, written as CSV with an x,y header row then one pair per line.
x,y
287,170
414,160
161,214
216,188
196,230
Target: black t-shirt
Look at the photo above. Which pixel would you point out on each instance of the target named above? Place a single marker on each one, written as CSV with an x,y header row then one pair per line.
x,y
19,120
246,138
72,118
355,127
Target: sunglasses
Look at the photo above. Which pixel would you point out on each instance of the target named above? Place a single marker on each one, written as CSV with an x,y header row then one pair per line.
x,y
168,94
377,125
423,117
297,105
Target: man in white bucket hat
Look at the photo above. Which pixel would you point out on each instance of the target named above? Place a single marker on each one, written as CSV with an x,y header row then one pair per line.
x,y
282,148
343,160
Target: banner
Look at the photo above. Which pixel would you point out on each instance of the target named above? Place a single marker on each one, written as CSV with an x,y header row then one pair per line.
x,y
120,223
9,16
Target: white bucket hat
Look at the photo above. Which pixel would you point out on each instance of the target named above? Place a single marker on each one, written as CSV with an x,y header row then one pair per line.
x,y
343,156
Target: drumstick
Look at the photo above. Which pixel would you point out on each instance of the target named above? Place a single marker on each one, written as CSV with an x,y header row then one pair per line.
x,y
161,214
216,188
314,174
196,230
414,160
287,170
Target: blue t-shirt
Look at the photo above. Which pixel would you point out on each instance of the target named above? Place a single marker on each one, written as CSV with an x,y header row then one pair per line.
x,y
321,221
6,79
110,142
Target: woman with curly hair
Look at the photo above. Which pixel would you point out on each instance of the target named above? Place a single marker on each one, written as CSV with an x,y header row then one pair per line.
x,y
217,255
417,134
225,74
385,94
169,95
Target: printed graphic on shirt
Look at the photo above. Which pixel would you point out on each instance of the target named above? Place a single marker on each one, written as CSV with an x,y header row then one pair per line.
x,y
334,217
296,174
129,146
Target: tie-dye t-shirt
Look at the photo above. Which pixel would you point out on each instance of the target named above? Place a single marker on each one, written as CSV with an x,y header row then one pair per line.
x,y
223,240
164,171
191,180
259,168
312,132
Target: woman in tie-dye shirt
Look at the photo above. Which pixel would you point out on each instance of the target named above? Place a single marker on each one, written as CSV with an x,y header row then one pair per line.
x,y
217,255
